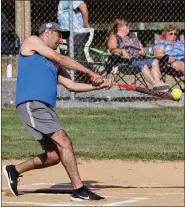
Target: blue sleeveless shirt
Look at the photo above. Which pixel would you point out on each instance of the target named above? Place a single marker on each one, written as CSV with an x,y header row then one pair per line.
x,y
37,80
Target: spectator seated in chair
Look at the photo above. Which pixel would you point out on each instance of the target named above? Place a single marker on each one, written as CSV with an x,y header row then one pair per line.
x,y
120,41
172,47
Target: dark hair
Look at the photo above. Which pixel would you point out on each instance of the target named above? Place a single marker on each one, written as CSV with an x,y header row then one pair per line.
x,y
169,28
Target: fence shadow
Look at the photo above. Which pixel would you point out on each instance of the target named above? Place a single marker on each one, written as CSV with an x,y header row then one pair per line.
x,y
91,99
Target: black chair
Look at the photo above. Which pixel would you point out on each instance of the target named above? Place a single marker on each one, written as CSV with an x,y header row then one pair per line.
x,y
119,68
167,69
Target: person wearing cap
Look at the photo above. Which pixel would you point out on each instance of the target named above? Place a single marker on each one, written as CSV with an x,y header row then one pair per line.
x,y
40,68
56,28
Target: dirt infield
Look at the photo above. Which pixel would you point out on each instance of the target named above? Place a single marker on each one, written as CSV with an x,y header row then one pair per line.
x,y
123,183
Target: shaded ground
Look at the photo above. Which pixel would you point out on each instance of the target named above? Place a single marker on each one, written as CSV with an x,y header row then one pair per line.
x,y
121,182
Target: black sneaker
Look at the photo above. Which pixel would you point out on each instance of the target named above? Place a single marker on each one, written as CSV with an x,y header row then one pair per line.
x,y
84,193
12,178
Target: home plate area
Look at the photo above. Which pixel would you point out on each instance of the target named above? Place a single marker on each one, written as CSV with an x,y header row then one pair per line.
x,y
39,194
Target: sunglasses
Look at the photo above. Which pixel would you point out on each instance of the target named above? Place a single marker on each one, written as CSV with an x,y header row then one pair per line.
x,y
172,33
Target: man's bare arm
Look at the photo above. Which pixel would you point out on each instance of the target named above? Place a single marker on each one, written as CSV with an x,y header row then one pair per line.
x,y
65,80
35,44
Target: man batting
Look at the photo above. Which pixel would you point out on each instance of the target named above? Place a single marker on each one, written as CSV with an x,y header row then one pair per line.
x,y
40,69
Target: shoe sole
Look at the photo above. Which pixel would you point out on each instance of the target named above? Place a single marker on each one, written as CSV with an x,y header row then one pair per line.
x,y
80,199
165,90
7,178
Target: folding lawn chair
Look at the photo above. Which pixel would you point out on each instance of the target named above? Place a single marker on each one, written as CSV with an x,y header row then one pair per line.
x,y
119,68
166,69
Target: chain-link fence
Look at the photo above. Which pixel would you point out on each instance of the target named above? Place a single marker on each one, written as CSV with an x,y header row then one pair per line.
x,y
21,18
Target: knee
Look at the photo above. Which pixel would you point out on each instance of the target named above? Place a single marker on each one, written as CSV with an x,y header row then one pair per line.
x,y
155,63
178,65
53,157
144,68
63,141
182,65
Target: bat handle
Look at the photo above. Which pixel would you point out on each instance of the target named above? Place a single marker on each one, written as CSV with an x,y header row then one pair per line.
x,y
91,78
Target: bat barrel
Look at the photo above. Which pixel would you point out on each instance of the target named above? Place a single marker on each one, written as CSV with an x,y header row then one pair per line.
x,y
158,93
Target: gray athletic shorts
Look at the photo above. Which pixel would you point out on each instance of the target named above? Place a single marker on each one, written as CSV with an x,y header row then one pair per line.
x,y
40,119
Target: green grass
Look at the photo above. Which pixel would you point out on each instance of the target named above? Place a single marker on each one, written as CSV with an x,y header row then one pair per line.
x,y
136,134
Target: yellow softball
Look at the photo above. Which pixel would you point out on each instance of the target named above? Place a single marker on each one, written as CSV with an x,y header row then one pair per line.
x,y
176,93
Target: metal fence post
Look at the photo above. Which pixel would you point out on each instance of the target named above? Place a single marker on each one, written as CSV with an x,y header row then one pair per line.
x,y
71,41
